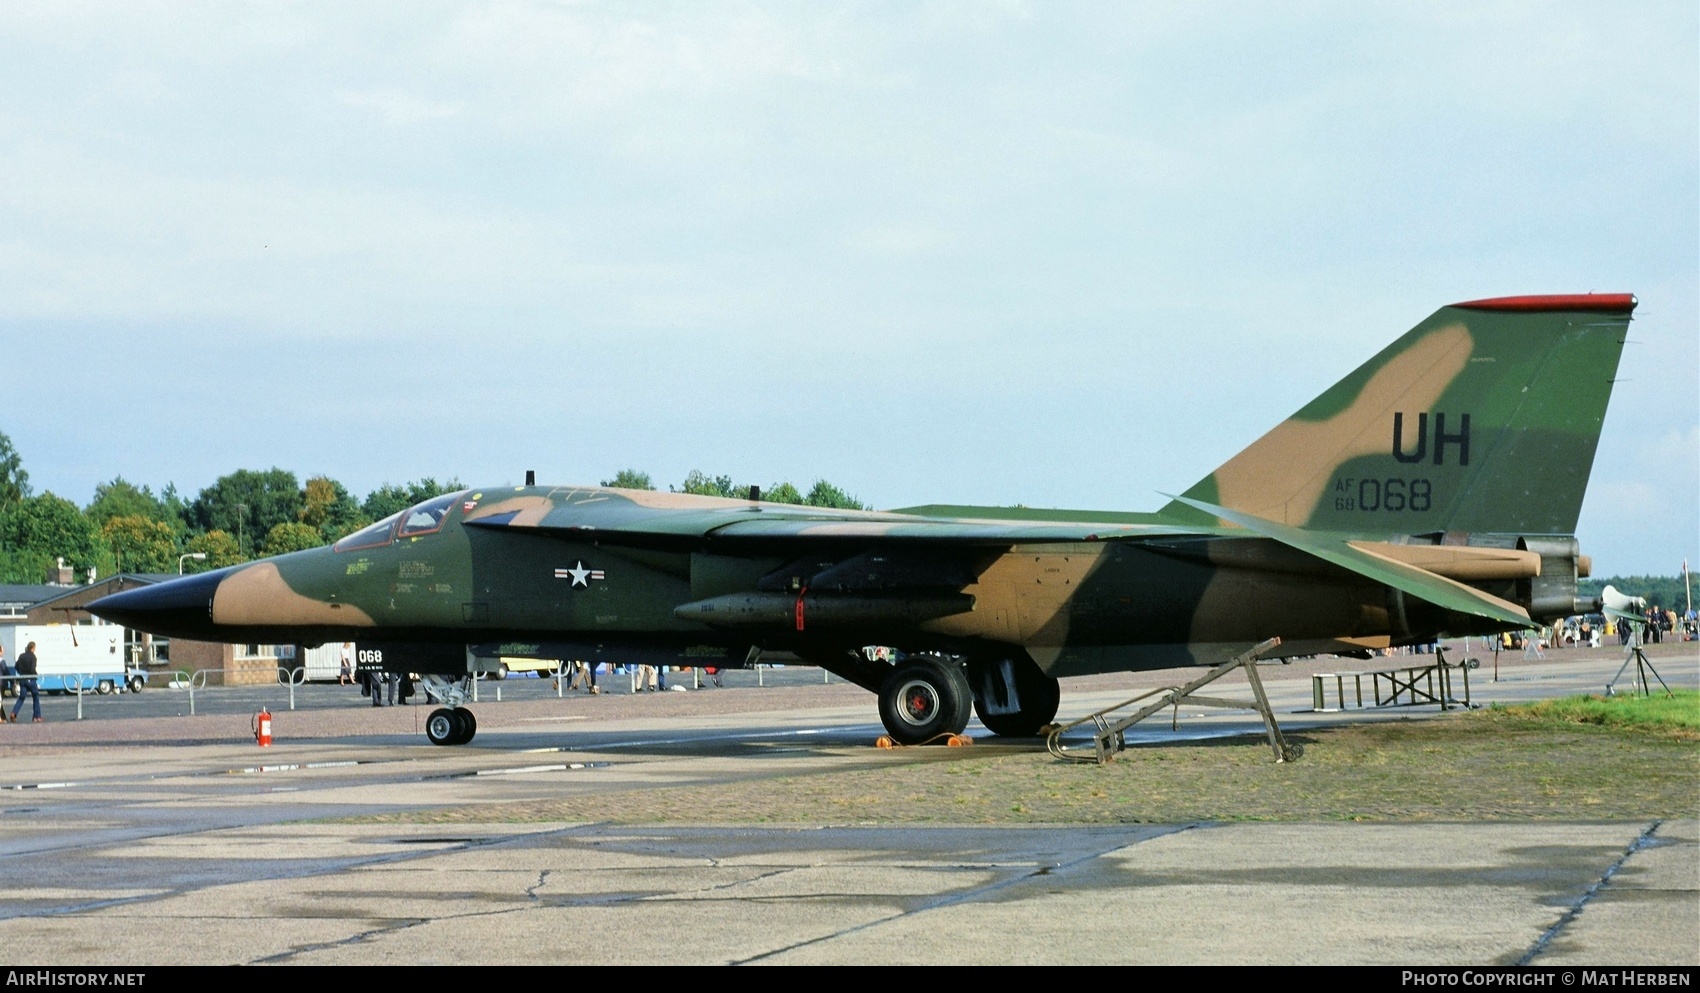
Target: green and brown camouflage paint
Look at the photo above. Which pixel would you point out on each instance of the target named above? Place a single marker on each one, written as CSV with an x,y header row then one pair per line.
x,y
1431,492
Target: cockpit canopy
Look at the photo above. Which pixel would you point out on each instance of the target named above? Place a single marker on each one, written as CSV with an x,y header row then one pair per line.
x,y
420,519
428,517
370,536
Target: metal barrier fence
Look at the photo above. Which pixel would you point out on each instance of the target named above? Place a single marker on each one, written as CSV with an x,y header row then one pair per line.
x,y
291,676
71,682
1403,686
635,674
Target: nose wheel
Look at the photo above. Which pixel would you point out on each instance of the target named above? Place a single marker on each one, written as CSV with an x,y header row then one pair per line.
x,y
450,726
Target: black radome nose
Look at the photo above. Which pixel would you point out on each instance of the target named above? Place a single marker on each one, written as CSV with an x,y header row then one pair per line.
x,y
177,608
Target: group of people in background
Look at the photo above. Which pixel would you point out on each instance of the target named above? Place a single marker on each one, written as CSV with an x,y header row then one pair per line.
x,y
1663,624
647,678
1660,624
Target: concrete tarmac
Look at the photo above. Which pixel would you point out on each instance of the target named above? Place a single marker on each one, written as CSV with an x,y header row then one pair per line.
x,y
174,840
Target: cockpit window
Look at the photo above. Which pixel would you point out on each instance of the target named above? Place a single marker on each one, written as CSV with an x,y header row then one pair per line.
x,y
370,536
426,517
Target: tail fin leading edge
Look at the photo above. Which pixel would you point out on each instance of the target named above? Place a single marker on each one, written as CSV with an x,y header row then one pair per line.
x,y
1484,417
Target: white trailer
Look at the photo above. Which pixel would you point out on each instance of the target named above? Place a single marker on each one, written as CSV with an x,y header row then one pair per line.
x,y
324,663
89,657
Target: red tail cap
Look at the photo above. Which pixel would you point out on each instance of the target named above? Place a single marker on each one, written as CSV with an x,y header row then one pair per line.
x,y
1605,303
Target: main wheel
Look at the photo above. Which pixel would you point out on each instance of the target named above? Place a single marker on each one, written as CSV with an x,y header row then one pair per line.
x,y
443,727
924,697
1012,696
468,726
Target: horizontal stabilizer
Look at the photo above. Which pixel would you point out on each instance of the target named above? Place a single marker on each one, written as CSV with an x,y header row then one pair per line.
x,y
1356,557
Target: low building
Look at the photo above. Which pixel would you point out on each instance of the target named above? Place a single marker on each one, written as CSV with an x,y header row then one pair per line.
x,y
17,599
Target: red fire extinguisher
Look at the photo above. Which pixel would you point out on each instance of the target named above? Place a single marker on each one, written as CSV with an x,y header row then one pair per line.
x,y
263,728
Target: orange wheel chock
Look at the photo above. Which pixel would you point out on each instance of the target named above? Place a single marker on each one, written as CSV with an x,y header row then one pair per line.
x,y
952,740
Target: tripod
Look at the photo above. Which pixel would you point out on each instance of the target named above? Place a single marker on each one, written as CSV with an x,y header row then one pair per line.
x,y
1642,665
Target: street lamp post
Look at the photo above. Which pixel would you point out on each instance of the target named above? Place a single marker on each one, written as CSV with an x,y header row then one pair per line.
x,y
188,555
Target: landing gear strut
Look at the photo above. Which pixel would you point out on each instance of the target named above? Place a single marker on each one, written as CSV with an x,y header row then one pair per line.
x,y
925,696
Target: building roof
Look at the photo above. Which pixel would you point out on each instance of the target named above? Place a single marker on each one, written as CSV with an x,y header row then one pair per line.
x,y
19,596
122,579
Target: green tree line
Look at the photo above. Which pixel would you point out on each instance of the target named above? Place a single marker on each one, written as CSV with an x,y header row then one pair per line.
x,y
821,494
245,515
1661,591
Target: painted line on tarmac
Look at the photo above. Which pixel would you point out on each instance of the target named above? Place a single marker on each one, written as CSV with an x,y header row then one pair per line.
x,y
562,767
293,766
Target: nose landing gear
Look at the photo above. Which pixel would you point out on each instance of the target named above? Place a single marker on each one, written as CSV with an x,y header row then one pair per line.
x,y
453,724
450,726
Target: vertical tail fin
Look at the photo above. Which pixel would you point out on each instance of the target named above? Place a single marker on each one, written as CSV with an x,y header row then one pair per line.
x,y
1485,417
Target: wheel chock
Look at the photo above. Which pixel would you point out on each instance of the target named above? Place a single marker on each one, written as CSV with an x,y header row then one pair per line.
x,y
951,740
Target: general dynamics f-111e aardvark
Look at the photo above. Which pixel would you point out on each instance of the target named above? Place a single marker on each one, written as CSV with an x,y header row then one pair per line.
x,y
1432,492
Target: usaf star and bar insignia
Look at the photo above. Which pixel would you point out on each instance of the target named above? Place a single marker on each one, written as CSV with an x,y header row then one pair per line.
x,y
579,574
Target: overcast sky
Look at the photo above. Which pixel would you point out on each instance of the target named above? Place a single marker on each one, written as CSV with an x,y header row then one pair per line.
x,y
1055,254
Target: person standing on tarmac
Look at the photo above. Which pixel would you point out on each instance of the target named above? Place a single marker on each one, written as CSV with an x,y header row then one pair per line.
x,y
384,682
27,684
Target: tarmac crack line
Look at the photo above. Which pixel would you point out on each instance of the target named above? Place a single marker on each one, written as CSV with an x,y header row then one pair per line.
x,y
1576,908
965,896
356,938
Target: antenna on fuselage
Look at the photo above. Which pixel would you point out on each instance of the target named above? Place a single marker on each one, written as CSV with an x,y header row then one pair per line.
x,y
531,477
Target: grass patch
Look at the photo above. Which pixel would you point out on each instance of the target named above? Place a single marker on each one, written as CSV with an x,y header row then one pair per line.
x,y
1676,714
1487,765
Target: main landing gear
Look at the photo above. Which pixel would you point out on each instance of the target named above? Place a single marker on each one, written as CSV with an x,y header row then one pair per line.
x,y
925,697
928,696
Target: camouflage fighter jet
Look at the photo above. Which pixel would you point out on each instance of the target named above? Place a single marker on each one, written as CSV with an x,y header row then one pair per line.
x,y
1432,492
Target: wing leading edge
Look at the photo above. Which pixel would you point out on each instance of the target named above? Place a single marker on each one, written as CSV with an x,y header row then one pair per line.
x,y
696,521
